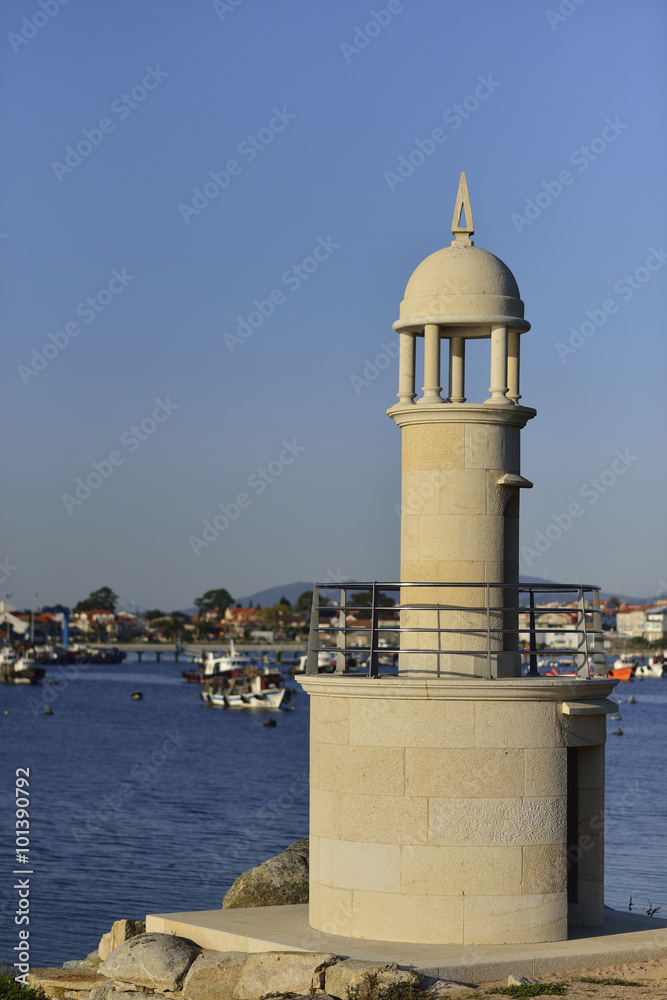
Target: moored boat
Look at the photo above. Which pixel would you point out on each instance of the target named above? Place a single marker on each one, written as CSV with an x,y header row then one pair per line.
x,y
654,667
15,669
623,669
251,688
210,665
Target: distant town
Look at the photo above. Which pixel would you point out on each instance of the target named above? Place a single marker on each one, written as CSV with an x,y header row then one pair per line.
x,y
218,618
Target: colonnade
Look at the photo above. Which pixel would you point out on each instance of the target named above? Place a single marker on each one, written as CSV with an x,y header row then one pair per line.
x,y
504,387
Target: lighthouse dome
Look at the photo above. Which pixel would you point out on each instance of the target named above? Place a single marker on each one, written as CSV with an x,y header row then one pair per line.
x,y
462,286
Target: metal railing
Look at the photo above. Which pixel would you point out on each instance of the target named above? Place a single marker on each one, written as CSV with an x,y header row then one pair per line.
x,y
329,617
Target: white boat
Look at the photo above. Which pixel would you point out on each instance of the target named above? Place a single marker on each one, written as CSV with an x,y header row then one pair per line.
x,y
326,662
212,665
252,688
655,667
16,669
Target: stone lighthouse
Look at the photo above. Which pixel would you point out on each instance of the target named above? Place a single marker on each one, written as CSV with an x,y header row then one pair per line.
x,y
453,800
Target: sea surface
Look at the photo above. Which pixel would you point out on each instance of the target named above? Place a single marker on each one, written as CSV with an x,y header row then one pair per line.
x,y
157,805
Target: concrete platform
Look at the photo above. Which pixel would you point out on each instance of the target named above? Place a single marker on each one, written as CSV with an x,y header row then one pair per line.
x,y
626,937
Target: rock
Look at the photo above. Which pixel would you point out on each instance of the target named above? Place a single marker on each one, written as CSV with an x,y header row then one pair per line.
x,y
55,982
89,963
448,987
280,881
214,975
300,972
159,961
353,973
121,930
521,981
109,992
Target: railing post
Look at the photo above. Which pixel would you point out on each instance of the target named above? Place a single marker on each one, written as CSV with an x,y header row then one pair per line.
x,y
532,669
341,640
582,659
374,665
314,635
599,658
489,674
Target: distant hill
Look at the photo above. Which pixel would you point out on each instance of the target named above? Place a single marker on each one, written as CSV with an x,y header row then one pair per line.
x,y
292,591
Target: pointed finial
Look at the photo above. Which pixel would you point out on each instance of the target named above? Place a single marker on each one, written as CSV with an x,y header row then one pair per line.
x,y
462,224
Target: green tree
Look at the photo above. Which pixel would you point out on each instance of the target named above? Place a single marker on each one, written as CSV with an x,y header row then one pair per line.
x,y
304,602
155,613
364,599
283,600
214,599
614,601
103,599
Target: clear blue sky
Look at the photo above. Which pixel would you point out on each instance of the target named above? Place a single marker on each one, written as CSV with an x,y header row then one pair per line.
x,y
332,110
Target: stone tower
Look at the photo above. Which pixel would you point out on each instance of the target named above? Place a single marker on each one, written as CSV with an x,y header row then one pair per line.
x,y
455,801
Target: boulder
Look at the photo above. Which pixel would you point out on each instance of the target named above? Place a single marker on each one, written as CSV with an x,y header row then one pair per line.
x,y
214,975
354,973
121,930
273,972
159,961
280,881
89,963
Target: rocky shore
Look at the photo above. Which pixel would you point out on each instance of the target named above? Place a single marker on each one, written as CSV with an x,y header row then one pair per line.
x,y
129,962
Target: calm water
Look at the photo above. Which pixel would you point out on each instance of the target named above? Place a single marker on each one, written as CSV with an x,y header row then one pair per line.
x,y
157,805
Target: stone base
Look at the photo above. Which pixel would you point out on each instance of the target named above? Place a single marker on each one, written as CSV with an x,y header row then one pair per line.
x,y
627,937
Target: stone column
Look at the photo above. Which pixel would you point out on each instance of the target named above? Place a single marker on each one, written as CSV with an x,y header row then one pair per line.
x,y
513,342
457,367
406,368
498,387
431,387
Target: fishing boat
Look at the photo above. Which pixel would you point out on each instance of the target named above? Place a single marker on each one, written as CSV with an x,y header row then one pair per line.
x,y
15,669
211,665
249,688
623,669
654,667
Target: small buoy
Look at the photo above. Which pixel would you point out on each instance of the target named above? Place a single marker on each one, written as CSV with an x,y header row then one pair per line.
x,y
6,711
48,710
270,722
615,718
618,732
137,696
632,700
